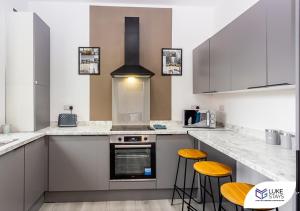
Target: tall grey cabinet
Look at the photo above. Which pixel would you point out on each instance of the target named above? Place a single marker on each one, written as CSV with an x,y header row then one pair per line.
x,y
281,41
201,68
28,72
248,58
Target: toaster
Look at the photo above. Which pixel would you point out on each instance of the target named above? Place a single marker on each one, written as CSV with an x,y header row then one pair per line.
x,y
67,120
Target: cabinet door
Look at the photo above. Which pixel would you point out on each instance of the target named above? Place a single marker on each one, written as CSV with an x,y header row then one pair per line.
x,y
167,159
249,48
78,163
12,181
281,41
220,61
35,171
201,68
41,51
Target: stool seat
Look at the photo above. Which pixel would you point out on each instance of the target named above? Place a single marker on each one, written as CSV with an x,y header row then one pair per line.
x,y
236,192
212,169
194,154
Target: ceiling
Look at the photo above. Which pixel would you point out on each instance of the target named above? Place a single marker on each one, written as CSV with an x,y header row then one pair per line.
x,y
149,2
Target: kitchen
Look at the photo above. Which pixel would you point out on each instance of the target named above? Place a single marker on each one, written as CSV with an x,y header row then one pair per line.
x,y
53,168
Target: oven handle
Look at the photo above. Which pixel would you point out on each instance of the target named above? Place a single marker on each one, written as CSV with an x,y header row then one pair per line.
x,y
132,146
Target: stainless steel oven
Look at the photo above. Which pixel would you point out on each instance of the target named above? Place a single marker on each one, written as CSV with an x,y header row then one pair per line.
x,y
132,157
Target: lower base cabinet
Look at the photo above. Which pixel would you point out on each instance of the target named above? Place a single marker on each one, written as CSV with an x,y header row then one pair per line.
x,y
167,160
36,170
12,180
78,163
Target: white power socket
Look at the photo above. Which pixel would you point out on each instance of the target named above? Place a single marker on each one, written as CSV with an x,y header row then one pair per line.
x,y
67,107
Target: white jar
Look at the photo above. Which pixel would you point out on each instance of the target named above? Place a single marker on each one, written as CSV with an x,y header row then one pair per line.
x,y
6,128
272,137
285,140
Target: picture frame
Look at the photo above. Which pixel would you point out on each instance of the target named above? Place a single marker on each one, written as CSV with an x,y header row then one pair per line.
x,y
171,64
89,60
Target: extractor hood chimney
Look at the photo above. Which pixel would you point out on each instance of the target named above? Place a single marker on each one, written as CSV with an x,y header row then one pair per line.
x,y
132,65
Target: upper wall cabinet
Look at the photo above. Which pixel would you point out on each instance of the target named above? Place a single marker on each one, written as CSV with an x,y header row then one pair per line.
x,y
220,61
281,41
249,51
256,50
201,68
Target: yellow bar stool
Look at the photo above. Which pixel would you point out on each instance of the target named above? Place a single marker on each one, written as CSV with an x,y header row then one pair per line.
x,y
236,193
187,154
209,169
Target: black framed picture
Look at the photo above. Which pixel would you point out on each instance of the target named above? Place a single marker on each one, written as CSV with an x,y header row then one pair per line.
x,y
171,61
89,60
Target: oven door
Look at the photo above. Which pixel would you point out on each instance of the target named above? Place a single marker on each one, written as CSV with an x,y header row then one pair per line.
x,y
132,161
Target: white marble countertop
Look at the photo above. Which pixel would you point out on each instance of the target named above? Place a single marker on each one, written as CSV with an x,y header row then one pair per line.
x,y
85,128
21,139
103,128
272,161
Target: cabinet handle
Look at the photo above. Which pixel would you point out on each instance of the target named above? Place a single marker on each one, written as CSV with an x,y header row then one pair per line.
x,y
210,92
265,86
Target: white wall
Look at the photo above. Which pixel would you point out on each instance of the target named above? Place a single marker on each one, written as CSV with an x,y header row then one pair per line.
x,y
228,10
257,110
6,6
191,26
69,24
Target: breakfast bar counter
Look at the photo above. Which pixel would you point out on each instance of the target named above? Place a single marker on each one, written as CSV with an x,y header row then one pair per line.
x,y
271,161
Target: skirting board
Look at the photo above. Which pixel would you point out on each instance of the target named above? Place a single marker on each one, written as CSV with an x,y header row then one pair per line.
x,y
112,195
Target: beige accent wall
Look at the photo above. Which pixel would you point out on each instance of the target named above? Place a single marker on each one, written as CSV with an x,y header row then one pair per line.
x,y
107,32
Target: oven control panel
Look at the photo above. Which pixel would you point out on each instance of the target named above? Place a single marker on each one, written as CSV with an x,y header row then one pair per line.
x,y
132,138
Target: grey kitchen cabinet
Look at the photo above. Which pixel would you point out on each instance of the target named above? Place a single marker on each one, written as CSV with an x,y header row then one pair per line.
x,y
248,61
220,61
281,41
78,163
41,51
36,169
201,68
28,80
167,159
12,181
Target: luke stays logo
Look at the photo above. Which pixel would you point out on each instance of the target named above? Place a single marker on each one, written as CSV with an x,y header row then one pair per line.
x,y
269,195
261,194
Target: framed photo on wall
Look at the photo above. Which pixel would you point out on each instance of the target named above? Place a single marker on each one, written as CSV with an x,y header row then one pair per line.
x,y
89,60
172,61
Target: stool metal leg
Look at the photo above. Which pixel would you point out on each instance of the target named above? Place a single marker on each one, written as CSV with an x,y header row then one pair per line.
x,y
191,193
220,203
183,194
212,194
175,184
204,193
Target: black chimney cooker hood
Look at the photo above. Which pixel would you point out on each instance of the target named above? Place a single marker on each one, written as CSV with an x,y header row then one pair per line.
x,y
132,65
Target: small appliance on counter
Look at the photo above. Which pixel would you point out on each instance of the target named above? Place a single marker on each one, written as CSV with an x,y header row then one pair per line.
x,y
67,120
272,137
195,118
